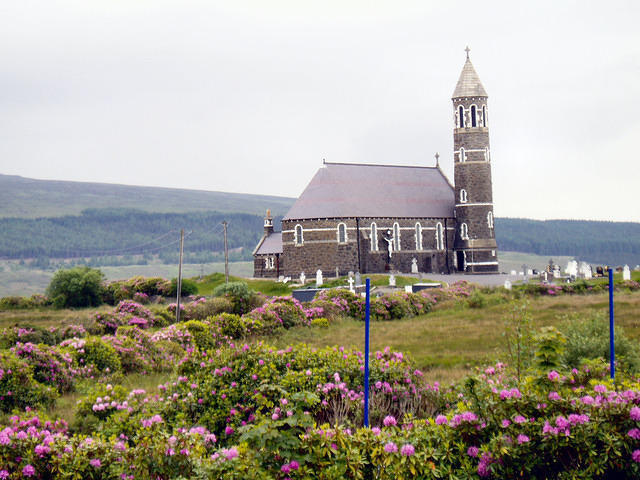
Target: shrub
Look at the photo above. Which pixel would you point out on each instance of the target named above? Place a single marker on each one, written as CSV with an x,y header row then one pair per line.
x,y
477,300
320,322
237,292
588,338
50,365
230,324
188,287
94,351
208,307
76,287
201,333
18,388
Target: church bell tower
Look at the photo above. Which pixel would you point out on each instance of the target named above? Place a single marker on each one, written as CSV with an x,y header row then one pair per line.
x,y
475,242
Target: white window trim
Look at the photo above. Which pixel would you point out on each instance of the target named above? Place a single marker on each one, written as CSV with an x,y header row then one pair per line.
x,y
374,237
418,236
346,236
439,237
396,240
490,219
461,119
463,196
462,157
464,231
298,241
471,116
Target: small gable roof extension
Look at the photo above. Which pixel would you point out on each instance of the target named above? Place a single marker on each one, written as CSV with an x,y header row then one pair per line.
x,y
364,190
270,244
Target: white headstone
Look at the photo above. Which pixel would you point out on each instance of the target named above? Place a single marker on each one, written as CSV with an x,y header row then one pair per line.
x,y
337,272
585,270
281,278
556,271
572,268
319,278
626,273
408,289
303,278
286,280
529,271
414,265
358,279
507,284
392,280
513,272
351,289
521,274
545,277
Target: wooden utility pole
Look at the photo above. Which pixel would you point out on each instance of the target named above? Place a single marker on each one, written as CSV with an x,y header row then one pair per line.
x,y
226,254
179,282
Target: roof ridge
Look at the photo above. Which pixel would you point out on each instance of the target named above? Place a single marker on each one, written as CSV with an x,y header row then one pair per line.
x,y
377,165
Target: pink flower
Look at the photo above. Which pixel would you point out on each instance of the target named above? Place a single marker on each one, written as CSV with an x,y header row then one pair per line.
x,y
505,423
600,388
519,419
636,456
634,433
441,420
228,431
95,462
28,471
294,465
375,431
407,450
389,421
634,413
473,451
554,396
553,375
229,453
390,447
4,474
286,468
523,439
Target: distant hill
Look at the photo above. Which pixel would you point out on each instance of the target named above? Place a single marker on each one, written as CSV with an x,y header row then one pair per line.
x,y
28,198
607,243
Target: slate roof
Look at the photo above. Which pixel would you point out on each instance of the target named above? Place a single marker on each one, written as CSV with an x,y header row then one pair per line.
x,y
469,84
364,190
270,245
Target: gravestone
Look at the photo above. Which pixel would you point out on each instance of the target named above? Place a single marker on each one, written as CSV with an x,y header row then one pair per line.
x,y
585,270
319,281
337,272
513,272
626,273
545,277
507,284
303,278
351,289
556,271
358,279
529,271
414,265
572,268
281,278
392,280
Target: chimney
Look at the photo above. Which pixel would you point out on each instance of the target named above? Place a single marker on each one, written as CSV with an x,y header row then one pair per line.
x,y
268,224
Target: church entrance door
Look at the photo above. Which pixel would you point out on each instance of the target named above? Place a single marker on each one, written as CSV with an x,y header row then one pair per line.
x,y
462,261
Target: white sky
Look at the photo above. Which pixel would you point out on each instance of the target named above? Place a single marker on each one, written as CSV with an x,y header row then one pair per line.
x,y
249,96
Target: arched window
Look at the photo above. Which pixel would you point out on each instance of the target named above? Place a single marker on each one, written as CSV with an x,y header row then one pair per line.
x,y
396,236
463,196
474,120
418,236
484,116
461,116
490,219
269,263
374,237
439,237
462,157
464,232
342,233
298,235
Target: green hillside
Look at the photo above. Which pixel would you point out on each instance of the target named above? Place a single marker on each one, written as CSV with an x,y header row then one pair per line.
x,y
28,198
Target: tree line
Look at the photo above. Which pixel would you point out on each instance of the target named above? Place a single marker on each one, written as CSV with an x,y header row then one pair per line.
x,y
115,235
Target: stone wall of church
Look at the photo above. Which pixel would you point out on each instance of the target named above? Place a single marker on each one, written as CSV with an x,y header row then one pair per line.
x,y
320,248
262,269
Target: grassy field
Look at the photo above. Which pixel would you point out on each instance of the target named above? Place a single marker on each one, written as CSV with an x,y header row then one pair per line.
x,y
448,342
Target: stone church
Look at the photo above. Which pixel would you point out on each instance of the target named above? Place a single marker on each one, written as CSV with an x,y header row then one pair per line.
x,y
379,218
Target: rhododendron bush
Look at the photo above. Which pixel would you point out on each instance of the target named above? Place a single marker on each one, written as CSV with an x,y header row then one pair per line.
x,y
253,411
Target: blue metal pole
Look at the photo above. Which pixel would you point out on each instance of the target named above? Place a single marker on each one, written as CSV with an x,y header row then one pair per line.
x,y
612,350
366,356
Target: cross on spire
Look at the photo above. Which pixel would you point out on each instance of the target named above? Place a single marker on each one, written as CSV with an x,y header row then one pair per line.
x,y
467,50
437,159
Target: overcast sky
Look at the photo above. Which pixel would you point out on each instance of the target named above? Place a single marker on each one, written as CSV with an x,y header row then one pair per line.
x,y
250,96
